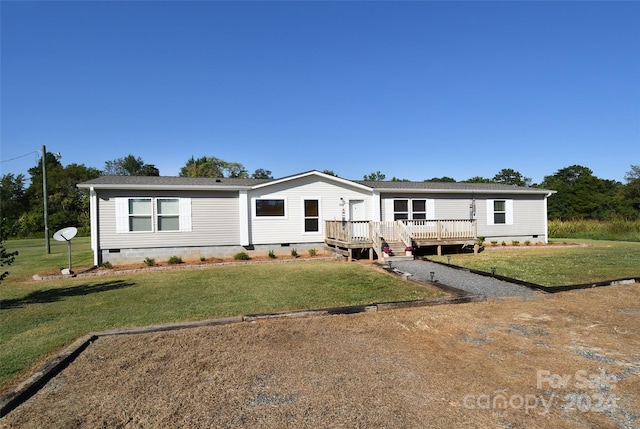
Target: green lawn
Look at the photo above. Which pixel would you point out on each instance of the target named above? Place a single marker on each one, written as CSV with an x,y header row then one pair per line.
x,y
554,266
39,317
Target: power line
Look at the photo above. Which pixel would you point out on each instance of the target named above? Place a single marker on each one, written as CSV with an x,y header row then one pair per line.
x,y
21,156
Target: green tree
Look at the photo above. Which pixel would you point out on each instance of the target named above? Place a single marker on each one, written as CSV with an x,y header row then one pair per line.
x,y
67,205
478,179
210,166
375,176
631,192
330,173
130,166
581,195
6,258
13,201
261,173
445,179
508,176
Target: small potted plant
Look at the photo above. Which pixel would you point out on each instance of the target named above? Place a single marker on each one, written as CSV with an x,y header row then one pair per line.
x,y
408,251
386,251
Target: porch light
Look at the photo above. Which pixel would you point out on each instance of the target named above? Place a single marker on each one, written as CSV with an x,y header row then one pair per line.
x,y
493,270
431,275
448,260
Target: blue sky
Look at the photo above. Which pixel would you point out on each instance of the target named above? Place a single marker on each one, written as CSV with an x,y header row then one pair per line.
x,y
413,89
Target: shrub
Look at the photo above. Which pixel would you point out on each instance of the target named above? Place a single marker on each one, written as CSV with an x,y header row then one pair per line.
x,y
294,252
174,260
106,264
504,243
527,243
480,241
494,242
202,259
313,252
149,262
272,254
241,256
515,242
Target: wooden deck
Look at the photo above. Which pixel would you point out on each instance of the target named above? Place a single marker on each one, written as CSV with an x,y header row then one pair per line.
x,y
371,236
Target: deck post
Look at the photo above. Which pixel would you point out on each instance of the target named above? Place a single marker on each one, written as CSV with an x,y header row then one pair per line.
x,y
350,257
439,249
370,254
476,247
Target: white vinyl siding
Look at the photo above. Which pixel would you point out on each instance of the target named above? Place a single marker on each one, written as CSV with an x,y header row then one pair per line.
x,y
333,202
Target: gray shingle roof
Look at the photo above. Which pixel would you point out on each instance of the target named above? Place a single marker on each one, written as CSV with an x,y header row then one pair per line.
x,y
444,186
172,182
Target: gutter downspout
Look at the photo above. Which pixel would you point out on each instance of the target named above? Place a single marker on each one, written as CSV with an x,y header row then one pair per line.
x,y
546,219
93,218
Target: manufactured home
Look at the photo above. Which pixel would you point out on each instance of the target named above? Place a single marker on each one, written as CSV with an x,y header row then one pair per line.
x,y
133,217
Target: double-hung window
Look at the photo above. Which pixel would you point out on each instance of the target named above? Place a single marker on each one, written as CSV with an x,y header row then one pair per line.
x,y
168,214
500,212
152,214
419,209
140,215
400,209
311,216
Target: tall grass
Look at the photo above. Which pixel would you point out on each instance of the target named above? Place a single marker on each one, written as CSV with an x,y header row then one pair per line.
x,y
616,229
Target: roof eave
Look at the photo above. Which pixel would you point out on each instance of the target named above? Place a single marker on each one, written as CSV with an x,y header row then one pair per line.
x,y
103,186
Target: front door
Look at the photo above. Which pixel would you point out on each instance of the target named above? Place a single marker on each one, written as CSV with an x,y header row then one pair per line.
x,y
357,212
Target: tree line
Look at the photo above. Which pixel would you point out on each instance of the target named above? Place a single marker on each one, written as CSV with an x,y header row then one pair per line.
x,y
580,194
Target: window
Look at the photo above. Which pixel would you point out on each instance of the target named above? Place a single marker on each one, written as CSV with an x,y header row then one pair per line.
x,y
152,214
499,212
270,208
311,216
419,208
140,214
400,209
168,214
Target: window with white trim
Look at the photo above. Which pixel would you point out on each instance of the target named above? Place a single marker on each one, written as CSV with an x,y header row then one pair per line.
x,y
400,209
270,207
418,209
499,212
140,215
168,214
147,214
311,216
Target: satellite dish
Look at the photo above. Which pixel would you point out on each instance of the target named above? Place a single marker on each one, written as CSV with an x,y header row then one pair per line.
x,y
65,234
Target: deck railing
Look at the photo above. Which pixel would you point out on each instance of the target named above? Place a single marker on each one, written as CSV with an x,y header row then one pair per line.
x,y
405,230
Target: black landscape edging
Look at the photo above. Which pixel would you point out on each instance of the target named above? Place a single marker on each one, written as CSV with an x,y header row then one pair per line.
x,y
27,388
535,286
23,391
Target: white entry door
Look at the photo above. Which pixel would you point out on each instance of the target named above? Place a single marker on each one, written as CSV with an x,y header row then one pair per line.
x,y
357,210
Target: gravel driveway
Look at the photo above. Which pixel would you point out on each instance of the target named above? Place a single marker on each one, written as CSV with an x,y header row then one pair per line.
x,y
461,279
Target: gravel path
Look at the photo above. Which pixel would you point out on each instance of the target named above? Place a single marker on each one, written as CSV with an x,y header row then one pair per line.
x,y
461,279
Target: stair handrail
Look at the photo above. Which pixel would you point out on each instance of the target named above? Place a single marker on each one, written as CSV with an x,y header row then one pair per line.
x,y
404,234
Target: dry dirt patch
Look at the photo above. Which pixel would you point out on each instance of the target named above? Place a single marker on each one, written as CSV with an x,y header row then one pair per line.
x,y
563,361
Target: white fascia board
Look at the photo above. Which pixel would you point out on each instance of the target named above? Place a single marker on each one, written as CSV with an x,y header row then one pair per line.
x,y
166,187
466,191
313,173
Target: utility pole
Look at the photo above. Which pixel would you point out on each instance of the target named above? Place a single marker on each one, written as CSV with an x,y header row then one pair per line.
x,y
44,194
